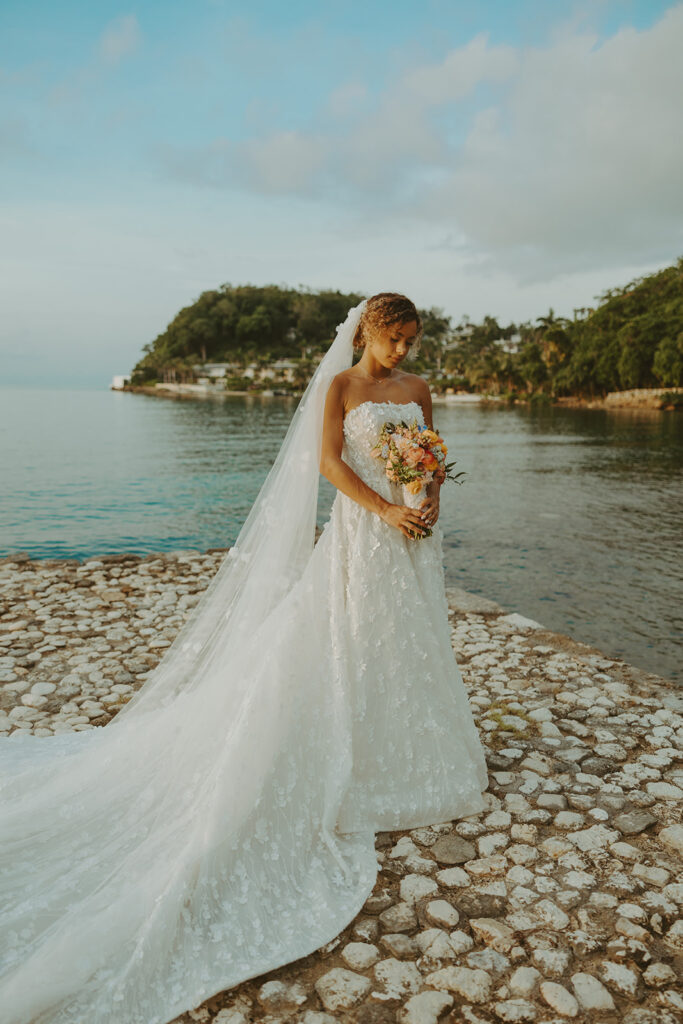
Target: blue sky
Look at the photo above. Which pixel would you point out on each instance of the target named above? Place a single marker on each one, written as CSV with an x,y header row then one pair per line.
x,y
493,157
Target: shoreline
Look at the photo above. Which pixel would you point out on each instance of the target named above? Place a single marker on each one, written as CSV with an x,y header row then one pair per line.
x,y
561,898
639,399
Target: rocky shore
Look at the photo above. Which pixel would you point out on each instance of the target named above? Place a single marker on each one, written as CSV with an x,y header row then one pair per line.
x,y
561,901
637,399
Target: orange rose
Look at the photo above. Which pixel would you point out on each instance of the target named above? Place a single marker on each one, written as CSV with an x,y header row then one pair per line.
x,y
414,487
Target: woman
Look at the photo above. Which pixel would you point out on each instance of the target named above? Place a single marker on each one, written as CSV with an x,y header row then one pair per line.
x,y
223,823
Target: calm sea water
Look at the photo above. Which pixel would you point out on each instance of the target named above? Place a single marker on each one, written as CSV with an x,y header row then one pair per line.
x,y
571,517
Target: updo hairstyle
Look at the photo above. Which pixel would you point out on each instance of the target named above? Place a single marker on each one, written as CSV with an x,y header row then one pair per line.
x,y
384,310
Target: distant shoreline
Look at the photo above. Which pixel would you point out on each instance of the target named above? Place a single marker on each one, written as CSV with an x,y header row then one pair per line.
x,y
635,399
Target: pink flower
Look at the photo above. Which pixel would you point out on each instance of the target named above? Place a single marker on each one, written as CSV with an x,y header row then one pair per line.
x,y
413,455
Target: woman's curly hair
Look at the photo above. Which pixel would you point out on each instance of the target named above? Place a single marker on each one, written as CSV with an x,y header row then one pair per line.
x,y
384,310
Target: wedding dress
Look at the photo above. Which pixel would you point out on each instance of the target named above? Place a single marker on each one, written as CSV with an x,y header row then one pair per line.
x,y
223,823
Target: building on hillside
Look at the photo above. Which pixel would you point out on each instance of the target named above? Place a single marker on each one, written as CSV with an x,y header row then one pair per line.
x,y
216,370
285,368
119,381
510,344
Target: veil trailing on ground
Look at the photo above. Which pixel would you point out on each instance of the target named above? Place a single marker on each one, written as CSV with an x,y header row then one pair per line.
x,y
191,842
272,547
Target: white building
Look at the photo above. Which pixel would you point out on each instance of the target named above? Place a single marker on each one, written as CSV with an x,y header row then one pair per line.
x,y
215,370
118,381
510,344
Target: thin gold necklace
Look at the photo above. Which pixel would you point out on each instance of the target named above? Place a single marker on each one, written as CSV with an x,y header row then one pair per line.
x,y
377,380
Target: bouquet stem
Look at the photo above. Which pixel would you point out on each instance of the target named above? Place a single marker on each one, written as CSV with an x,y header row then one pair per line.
x,y
414,501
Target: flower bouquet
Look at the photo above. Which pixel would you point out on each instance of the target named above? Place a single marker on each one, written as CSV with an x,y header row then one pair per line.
x,y
413,455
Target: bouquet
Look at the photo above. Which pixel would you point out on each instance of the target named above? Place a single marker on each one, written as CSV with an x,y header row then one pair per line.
x,y
413,455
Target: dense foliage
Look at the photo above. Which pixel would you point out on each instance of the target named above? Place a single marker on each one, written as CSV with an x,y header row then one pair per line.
x,y
632,339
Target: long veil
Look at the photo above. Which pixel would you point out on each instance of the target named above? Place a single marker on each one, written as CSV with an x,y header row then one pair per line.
x,y
190,843
272,547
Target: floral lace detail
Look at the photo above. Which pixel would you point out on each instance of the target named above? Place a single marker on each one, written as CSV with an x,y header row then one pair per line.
x,y
361,430
146,866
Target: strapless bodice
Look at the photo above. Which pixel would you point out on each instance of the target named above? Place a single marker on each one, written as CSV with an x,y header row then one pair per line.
x,y
362,427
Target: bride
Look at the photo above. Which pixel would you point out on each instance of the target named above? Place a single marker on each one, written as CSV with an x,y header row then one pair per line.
x,y
223,823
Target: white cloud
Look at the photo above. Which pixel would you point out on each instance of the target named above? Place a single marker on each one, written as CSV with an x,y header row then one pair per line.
x,y
119,38
540,160
460,71
346,99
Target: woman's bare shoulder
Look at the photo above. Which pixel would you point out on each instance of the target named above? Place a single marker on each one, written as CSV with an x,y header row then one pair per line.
x,y
344,375
338,387
415,381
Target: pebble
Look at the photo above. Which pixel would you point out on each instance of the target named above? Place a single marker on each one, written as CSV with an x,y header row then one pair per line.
x,y
561,898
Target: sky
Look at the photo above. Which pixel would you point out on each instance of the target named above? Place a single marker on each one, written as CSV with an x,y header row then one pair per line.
x,y
500,158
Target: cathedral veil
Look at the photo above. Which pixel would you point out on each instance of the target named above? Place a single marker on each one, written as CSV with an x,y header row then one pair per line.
x,y
191,842
271,549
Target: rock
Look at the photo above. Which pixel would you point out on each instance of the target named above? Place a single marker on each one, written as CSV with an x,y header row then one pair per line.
x,y
442,914
568,820
620,979
672,838
425,1008
275,995
494,933
479,904
559,999
553,962
340,989
634,822
513,1010
590,993
360,955
489,960
43,689
397,978
658,975
376,904
229,1015
437,950
631,930
401,946
664,791
415,888
453,877
674,936
399,918
473,985
484,867
453,850
366,929
597,837
460,941
641,1015
655,876
524,981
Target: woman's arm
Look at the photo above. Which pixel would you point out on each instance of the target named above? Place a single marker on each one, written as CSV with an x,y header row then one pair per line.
x,y
339,473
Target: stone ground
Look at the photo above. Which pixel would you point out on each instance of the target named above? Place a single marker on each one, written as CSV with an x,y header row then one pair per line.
x,y
561,901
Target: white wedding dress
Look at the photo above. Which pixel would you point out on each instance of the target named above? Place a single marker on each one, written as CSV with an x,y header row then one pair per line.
x,y
225,831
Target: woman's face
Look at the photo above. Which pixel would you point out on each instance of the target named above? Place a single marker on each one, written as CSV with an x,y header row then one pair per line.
x,y
390,345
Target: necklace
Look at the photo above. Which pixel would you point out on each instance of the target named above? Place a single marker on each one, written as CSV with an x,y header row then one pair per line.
x,y
377,380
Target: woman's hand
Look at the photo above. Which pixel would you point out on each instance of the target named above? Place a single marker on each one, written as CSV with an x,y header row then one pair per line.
x,y
430,509
408,520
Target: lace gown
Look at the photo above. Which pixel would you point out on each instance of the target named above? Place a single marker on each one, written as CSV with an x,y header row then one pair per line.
x,y
145,867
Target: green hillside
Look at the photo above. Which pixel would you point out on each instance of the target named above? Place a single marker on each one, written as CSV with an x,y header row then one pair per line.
x,y
633,338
